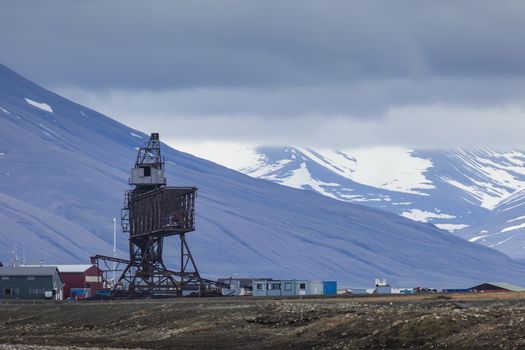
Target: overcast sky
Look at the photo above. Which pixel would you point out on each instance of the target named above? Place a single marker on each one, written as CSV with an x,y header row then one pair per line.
x,y
312,73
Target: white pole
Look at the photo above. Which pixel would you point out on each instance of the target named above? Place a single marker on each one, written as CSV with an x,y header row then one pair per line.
x,y
114,248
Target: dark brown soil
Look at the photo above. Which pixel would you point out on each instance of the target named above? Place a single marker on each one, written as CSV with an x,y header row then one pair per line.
x,y
488,321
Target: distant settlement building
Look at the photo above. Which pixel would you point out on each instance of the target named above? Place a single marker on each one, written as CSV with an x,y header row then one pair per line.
x,y
497,287
22,282
80,281
270,287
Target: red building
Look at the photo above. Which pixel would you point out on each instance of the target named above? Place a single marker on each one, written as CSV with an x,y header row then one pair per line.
x,y
87,277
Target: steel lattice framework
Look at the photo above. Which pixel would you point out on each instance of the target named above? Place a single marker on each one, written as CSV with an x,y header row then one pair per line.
x,y
153,211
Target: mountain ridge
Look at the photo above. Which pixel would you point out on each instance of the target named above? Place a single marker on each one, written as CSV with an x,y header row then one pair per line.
x,y
453,189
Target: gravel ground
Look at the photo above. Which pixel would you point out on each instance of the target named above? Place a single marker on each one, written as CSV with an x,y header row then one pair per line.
x,y
487,321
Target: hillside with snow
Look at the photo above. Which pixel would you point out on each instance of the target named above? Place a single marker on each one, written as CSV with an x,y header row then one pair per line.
x,y
452,189
503,228
64,169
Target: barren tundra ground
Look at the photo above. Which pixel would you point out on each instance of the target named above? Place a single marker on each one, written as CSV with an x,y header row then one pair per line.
x,y
475,321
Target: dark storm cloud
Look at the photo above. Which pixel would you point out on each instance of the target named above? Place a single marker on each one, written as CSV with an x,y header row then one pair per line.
x,y
264,43
324,60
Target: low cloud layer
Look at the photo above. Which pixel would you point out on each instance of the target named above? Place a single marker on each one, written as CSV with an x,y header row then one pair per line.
x,y
310,117
315,73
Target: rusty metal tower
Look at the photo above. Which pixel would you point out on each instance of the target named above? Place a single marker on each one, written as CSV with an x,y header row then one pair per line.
x,y
153,211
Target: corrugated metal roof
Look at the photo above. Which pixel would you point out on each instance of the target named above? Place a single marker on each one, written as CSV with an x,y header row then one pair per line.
x,y
508,286
67,268
27,271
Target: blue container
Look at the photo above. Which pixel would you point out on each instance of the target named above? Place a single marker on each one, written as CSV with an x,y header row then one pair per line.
x,y
103,293
80,293
329,287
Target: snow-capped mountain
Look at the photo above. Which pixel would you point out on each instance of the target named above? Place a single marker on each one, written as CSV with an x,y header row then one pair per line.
x,y
504,228
452,189
64,170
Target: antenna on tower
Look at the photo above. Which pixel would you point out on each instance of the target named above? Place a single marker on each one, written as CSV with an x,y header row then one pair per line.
x,y
114,249
14,258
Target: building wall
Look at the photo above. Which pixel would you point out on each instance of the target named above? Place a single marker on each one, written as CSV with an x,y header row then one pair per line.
x,y
266,288
259,288
316,288
273,288
485,287
58,286
330,288
302,287
383,290
286,288
72,280
94,279
91,279
25,287
289,287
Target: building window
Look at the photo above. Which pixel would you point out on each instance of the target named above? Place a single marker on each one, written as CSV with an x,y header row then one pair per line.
x,y
259,286
5,278
11,291
30,278
274,286
36,291
287,286
302,286
146,170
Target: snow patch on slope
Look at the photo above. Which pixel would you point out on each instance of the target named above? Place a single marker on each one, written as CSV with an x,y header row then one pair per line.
x,y
232,155
488,199
505,240
48,130
301,178
451,227
513,228
516,219
424,216
391,168
476,238
41,105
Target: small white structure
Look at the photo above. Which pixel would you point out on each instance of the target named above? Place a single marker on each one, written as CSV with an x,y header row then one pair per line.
x,y
147,175
381,282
